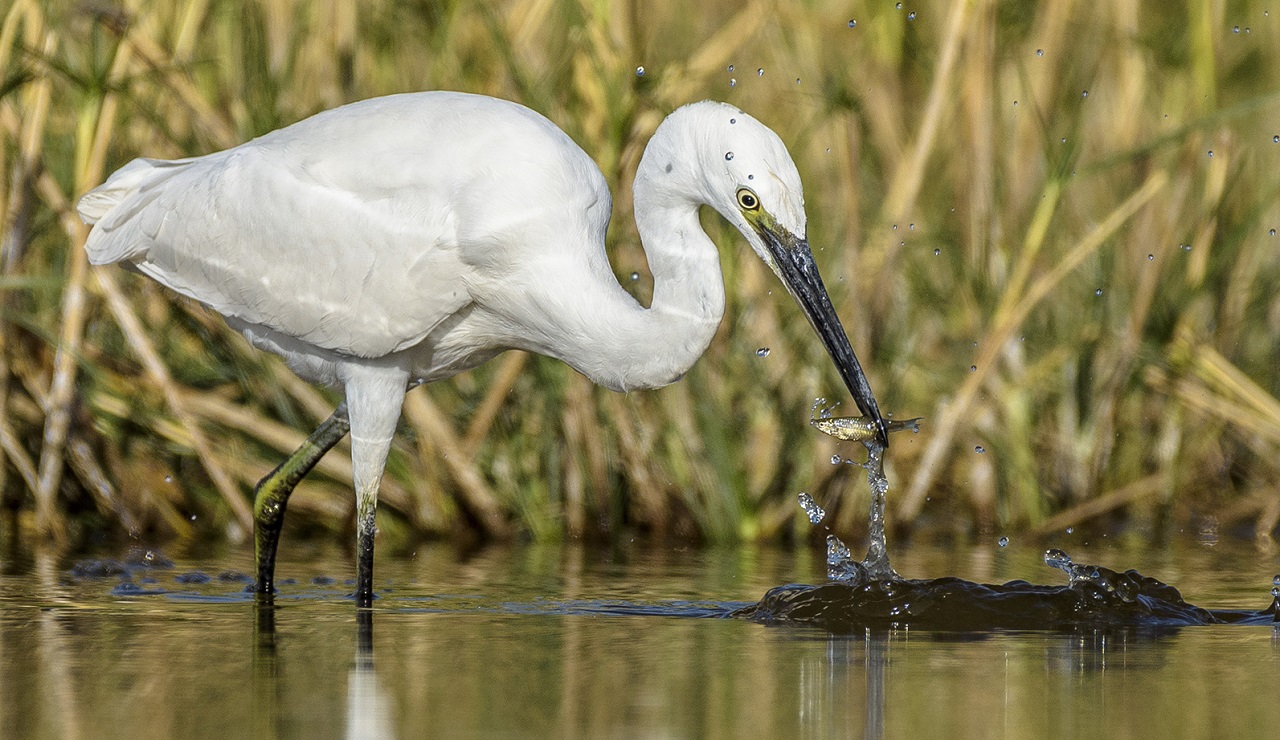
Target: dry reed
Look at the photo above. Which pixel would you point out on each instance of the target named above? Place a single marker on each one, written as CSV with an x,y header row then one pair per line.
x,y
1049,228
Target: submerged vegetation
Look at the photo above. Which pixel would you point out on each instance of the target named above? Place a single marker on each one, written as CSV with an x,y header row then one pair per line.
x,y
1050,229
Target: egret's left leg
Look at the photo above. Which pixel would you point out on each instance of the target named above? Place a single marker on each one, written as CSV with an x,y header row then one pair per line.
x,y
272,494
374,397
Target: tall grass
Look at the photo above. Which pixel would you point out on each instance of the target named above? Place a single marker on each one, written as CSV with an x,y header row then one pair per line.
x,y
1048,228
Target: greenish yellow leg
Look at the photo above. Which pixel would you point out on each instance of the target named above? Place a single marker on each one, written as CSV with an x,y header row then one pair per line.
x,y
272,493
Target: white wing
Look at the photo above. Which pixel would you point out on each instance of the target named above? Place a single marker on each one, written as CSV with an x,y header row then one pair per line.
x,y
357,230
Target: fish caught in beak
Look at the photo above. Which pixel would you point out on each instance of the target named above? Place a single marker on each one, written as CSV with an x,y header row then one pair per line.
x,y
793,262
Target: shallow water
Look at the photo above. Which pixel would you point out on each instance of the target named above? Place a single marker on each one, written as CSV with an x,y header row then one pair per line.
x,y
562,641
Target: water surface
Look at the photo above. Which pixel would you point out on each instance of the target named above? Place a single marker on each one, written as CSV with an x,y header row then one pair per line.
x,y
569,642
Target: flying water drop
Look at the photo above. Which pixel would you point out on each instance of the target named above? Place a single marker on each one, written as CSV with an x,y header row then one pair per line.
x,y
980,449
762,352
811,508
639,71
728,156
1003,542
635,276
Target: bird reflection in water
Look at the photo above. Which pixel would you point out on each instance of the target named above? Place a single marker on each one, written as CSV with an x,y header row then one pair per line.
x,y
369,706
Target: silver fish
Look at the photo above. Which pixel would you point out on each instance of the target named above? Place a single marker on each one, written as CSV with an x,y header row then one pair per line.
x,y
859,428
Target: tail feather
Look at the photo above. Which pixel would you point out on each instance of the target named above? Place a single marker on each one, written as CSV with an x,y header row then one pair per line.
x,y
129,190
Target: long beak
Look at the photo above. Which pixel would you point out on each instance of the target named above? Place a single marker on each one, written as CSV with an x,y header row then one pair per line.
x,y
796,267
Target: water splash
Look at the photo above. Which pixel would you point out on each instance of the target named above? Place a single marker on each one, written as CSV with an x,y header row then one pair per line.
x,y
841,567
876,562
1093,581
1096,598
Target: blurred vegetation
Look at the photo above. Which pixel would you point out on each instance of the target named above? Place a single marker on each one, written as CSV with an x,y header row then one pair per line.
x,y
1049,228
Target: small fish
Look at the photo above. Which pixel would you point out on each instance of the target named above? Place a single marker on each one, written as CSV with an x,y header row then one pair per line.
x,y
858,428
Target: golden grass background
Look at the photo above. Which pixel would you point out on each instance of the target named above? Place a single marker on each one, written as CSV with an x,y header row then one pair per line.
x,y
1048,228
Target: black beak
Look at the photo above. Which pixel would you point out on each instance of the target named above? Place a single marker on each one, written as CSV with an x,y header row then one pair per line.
x,y
800,275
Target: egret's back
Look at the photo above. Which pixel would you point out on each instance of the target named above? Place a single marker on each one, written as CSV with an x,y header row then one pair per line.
x,y
358,230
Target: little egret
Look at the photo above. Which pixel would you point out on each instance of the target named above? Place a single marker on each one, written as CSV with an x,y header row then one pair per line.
x,y
404,239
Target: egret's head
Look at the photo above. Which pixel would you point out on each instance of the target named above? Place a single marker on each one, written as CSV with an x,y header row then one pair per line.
x,y
715,154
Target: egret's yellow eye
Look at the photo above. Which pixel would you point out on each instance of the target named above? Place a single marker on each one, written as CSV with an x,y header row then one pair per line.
x,y
748,199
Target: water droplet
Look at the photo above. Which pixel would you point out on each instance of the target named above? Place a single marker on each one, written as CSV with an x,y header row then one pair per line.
x,y
149,556
168,479
733,82
911,227
191,518
1247,29
836,459
1084,93
1186,247
1098,292
973,368
635,276
1275,581
1064,140
762,352
980,449
733,121
1015,104
895,227
911,16
898,6
1210,152
1150,257
811,508
853,23
1071,530
728,156
1039,52
937,252
1003,542
751,177
1235,29
730,68
797,80
1272,232
1275,139
639,71
760,72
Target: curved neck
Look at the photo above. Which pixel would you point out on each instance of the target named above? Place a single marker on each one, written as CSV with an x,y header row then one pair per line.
x,y
622,345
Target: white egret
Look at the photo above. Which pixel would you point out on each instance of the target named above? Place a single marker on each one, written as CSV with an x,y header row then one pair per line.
x,y
404,239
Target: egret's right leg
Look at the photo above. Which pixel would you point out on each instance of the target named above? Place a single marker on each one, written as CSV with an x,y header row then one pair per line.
x,y
375,393
272,493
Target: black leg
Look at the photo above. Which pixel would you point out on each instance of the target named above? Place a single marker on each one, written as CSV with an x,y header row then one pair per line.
x,y
365,529
272,494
